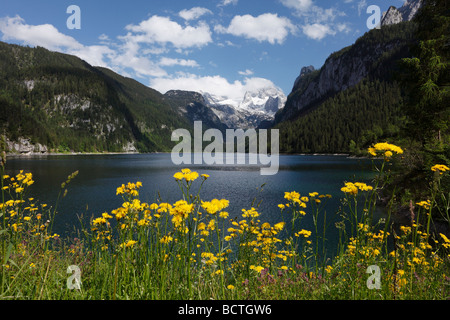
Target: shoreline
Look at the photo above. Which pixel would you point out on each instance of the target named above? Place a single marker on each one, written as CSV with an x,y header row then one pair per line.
x,y
40,154
37,154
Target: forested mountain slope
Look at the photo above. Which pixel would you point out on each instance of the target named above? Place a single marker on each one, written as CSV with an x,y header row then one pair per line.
x,y
60,103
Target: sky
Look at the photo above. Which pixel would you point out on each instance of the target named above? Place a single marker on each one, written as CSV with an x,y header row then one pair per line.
x,y
224,47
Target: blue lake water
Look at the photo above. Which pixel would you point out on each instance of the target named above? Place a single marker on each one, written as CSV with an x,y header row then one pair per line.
x,y
93,191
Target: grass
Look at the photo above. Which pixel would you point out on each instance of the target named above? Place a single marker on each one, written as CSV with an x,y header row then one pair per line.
x,y
191,249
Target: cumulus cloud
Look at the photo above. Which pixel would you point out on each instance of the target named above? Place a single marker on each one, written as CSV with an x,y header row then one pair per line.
x,y
317,31
265,27
163,30
45,35
194,13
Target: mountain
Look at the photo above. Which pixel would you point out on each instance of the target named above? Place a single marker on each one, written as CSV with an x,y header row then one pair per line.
x,y
192,105
359,77
56,102
255,108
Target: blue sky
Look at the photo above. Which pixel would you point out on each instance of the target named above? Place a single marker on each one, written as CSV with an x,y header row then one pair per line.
x,y
224,47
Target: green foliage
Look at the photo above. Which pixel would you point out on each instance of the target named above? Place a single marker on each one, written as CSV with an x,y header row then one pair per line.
x,y
426,79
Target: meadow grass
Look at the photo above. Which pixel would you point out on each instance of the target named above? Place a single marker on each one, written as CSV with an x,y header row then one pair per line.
x,y
191,249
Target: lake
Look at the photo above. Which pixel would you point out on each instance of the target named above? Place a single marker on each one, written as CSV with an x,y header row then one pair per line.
x,y
93,191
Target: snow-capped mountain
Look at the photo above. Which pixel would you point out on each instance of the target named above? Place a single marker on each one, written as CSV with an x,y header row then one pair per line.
x,y
254,108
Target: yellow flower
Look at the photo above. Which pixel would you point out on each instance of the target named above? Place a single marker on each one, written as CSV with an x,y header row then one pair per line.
x,y
279,226
128,244
304,233
178,176
424,204
224,214
215,205
440,168
385,148
446,240
19,190
189,175
230,286
252,213
205,176
166,239
153,206
352,188
212,225
291,196
257,269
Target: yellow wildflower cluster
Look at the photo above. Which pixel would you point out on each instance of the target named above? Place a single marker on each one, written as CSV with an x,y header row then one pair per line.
x,y
367,245
385,149
187,175
131,189
215,205
252,213
179,212
353,187
23,216
441,168
19,182
295,198
426,204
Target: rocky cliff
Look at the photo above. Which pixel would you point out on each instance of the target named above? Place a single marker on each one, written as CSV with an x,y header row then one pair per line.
x,y
405,13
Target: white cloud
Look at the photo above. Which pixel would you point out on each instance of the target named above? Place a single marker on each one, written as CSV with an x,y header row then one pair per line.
x,y
228,2
362,5
194,13
94,55
129,55
317,31
246,72
299,5
162,30
265,27
45,35
215,85
165,61
317,22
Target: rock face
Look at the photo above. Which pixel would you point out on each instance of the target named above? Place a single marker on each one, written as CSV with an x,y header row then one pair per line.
x,y
347,67
24,146
392,16
405,13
